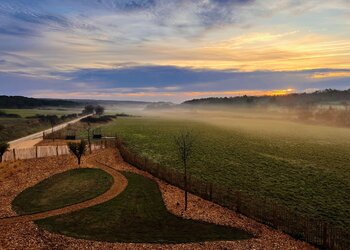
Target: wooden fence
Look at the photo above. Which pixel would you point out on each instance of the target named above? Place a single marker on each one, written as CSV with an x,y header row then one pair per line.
x,y
311,230
46,151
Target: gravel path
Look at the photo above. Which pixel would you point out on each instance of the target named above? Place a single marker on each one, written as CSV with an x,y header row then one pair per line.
x,y
26,235
118,186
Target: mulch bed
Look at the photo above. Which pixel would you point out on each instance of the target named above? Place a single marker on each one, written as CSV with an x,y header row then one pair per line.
x,y
18,176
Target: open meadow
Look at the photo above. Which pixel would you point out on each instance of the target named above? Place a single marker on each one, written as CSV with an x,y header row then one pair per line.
x,y
304,167
24,121
24,113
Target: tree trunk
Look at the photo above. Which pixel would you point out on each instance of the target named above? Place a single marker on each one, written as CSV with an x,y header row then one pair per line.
x,y
53,138
89,141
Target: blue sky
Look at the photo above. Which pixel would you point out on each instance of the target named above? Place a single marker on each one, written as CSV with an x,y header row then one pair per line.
x,y
172,50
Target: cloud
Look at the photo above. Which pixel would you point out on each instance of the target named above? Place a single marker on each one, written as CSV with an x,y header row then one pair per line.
x,y
14,30
140,76
199,46
128,5
166,83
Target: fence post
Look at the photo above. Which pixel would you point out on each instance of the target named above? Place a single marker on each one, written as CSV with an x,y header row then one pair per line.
x,y
57,150
14,154
274,216
325,235
238,201
211,191
36,152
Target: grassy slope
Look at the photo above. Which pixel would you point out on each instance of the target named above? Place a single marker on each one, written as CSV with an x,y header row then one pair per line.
x,y
309,174
63,189
137,215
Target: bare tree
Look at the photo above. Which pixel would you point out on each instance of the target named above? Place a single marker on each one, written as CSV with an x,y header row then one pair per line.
x,y
99,110
4,146
88,109
53,119
78,149
184,144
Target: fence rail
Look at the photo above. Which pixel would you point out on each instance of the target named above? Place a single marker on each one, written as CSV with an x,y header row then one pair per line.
x,y
47,151
311,230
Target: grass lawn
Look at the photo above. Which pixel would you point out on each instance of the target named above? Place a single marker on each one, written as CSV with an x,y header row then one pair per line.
x,y
63,189
304,167
44,111
137,215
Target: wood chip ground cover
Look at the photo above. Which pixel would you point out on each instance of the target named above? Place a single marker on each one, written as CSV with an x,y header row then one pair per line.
x,y
17,177
137,215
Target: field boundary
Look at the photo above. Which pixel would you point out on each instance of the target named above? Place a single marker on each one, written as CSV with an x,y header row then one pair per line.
x,y
312,230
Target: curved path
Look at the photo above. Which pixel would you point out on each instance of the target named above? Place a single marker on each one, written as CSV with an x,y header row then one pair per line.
x,y
119,184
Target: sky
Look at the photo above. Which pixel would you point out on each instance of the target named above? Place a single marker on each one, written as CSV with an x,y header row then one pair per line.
x,y
166,50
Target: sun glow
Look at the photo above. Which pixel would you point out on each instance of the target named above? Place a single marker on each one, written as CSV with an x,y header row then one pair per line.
x,y
331,75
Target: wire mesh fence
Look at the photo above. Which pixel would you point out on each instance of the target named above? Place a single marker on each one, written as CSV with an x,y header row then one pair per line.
x,y
312,230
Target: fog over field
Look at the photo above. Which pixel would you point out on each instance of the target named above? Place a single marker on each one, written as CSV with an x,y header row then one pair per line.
x,y
280,122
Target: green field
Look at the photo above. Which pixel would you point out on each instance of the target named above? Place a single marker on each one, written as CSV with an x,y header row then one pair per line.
x,y
138,214
14,128
306,168
63,189
48,111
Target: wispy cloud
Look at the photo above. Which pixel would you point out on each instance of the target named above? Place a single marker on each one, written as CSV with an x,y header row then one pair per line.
x,y
169,48
173,83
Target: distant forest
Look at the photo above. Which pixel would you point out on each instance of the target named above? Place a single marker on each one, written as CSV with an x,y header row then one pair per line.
x,y
327,96
25,102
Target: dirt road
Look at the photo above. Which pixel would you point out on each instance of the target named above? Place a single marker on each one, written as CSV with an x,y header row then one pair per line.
x,y
30,140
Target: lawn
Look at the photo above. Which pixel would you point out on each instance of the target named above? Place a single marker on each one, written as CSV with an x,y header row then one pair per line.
x,y
137,215
63,189
301,166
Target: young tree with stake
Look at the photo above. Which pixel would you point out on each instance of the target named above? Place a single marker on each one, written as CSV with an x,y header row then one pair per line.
x,y
78,149
88,130
4,146
184,145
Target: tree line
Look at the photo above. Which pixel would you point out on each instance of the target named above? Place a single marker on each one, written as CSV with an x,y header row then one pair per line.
x,y
21,102
290,100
